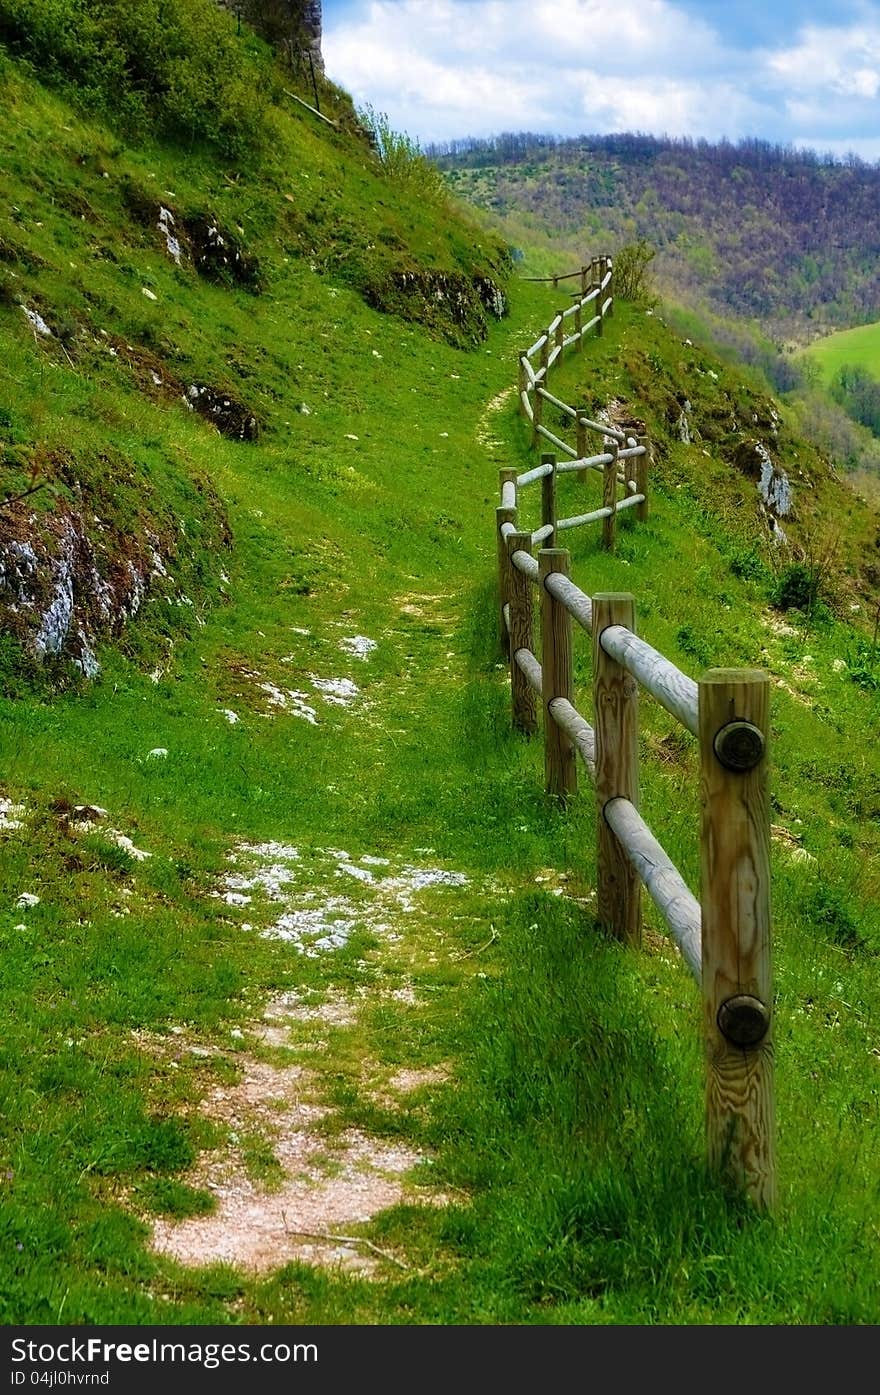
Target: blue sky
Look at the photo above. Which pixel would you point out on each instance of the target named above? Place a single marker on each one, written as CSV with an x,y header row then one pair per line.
x,y
806,74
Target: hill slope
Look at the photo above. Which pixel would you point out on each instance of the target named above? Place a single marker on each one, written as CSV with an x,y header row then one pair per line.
x,y
766,233
278,883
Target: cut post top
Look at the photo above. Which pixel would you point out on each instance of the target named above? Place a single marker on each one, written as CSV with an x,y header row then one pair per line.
x,y
724,676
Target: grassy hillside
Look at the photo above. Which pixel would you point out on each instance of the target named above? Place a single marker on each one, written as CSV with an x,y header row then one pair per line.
x,y
859,346
293,945
847,366
783,238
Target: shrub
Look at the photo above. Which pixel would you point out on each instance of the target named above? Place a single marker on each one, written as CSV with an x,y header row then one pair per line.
x,y
747,564
631,280
796,588
402,157
144,65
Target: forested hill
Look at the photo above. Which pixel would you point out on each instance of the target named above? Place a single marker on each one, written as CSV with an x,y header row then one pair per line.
x,y
754,229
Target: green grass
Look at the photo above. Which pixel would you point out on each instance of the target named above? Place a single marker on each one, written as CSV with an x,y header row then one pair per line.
x,y
859,347
563,1115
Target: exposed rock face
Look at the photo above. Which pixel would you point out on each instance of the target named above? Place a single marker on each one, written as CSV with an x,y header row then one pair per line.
x,y
293,25
107,545
59,591
312,26
774,487
449,302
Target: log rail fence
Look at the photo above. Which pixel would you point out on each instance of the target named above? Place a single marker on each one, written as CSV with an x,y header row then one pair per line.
x,y
624,460
724,936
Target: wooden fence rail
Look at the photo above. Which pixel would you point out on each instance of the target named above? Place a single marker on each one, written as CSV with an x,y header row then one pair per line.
x,y
724,935
534,393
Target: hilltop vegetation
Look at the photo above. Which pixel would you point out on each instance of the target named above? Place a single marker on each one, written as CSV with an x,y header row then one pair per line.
x,y
164,292
787,238
285,917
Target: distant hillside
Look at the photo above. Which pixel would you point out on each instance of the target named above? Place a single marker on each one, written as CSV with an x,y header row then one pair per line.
x,y
787,237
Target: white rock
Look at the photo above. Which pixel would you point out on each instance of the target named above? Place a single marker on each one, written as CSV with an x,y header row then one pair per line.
x,y
231,717
158,752
26,900
10,814
37,321
359,646
165,225
339,691
124,842
145,290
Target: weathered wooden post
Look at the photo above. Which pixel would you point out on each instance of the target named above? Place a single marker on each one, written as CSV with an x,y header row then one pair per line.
x,y
560,335
600,273
560,762
579,325
581,442
643,465
521,385
735,898
522,698
538,401
548,500
609,494
609,290
616,718
585,270
505,513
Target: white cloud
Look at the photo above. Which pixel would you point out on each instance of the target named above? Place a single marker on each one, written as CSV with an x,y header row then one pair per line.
x,y
448,68
843,59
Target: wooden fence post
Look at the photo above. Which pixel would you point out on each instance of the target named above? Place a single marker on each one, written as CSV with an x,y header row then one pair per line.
x,y
560,762
609,266
600,272
560,336
643,465
548,500
504,514
521,385
522,697
579,325
581,443
538,401
735,897
609,494
616,718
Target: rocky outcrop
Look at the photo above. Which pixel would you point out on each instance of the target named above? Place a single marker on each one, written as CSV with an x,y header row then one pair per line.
x,y
448,302
60,588
94,544
293,26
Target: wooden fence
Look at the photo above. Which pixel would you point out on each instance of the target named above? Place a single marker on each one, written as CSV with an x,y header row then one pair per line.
x,y
624,461
724,937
